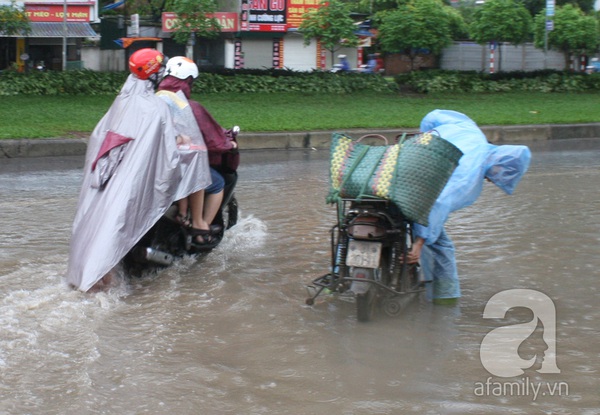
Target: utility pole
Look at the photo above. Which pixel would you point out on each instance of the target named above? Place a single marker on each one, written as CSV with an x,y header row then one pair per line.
x,y
549,27
65,33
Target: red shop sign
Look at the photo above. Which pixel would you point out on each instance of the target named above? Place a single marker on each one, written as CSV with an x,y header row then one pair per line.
x,y
229,21
54,13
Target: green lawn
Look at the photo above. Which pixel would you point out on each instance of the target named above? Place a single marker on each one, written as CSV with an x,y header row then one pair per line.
x,y
65,116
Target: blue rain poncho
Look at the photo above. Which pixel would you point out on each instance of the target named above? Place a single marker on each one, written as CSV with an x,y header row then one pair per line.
x,y
504,165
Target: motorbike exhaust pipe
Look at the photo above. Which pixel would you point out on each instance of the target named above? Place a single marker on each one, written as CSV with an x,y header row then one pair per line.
x,y
157,257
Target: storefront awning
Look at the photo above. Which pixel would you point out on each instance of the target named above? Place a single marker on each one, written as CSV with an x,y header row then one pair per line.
x,y
56,29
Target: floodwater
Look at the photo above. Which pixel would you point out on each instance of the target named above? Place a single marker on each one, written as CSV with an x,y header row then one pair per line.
x,y
230,333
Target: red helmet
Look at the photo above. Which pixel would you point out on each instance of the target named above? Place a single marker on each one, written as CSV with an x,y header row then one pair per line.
x,y
145,62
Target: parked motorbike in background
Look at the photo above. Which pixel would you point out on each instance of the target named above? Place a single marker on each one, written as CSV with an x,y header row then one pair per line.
x,y
593,66
369,245
168,240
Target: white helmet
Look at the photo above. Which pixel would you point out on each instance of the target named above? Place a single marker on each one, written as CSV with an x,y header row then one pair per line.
x,y
181,67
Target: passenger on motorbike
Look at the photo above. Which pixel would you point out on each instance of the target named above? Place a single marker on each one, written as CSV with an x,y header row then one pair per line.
x,y
133,173
180,74
502,165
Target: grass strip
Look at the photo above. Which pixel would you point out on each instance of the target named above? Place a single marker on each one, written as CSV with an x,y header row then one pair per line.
x,y
74,116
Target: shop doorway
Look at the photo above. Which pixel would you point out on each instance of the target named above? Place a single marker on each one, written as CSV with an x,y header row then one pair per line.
x,y
8,52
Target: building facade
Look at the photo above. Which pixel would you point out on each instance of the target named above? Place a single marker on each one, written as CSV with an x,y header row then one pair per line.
x,y
261,34
58,29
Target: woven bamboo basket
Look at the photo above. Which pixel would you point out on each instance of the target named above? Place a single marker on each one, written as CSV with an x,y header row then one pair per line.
x,y
411,173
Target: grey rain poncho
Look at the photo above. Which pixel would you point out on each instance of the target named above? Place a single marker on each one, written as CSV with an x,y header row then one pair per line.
x,y
133,172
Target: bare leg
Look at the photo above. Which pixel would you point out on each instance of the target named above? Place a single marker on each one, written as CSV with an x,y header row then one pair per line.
x,y
182,213
212,205
197,206
204,211
183,206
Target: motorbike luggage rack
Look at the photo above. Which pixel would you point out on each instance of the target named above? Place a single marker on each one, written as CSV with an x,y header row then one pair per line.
x,y
377,202
366,200
332,281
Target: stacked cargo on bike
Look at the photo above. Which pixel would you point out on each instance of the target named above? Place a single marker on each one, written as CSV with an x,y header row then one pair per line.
x,y
380,191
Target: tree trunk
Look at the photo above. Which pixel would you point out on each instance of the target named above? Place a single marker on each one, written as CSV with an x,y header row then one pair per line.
x,y
412,56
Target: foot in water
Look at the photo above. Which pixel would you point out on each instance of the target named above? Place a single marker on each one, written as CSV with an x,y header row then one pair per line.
x,y
104,283
445,301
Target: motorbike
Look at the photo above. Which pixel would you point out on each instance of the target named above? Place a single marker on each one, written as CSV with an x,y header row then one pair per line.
x,y
167,240
369,244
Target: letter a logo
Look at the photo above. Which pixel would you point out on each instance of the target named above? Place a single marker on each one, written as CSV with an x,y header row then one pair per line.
x,y
499,348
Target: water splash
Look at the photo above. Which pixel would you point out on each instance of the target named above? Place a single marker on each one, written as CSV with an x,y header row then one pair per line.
x,y
249,233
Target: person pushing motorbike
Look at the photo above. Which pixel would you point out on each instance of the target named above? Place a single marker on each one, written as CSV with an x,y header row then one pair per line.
x,y
503,165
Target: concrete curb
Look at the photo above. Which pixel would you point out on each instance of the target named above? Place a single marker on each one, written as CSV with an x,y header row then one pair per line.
x,y
513,134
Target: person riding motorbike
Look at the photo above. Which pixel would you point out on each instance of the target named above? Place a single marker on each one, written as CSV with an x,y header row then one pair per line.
x,y
371,64
180,73
344,64
133,173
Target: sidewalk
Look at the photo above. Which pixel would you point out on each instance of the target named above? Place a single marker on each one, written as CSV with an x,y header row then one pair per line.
x,y
513,134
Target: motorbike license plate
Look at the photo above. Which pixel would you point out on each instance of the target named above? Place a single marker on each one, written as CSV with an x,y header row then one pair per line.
x,y
363,254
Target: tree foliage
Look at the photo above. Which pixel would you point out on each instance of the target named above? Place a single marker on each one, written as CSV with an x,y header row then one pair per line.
x,y
13,20
195,17
573,31
331,25
501,21
371,7
536,6
418,25
147,8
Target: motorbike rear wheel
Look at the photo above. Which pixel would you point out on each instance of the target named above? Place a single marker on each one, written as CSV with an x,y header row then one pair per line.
x,y
366,301
230,213
366,293
365,305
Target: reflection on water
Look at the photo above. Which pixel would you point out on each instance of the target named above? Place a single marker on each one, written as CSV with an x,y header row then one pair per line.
x,y
229,333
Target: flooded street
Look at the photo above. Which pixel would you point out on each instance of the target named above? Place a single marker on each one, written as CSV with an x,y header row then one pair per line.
x,y
230,333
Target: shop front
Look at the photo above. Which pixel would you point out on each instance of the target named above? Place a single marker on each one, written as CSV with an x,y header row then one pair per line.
x,y
269,37
263,34
207,53
51,31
